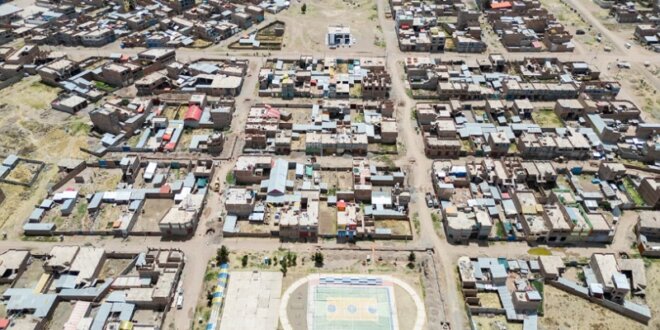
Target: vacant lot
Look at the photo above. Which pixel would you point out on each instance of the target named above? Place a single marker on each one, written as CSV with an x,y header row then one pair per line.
x,y
566,311
546,118
32,130
307,32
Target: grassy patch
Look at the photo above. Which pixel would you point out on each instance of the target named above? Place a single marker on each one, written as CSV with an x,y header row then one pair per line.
x,y
387,160
103,86
415,220
387,148
632,192
501,233
632,162
538,285
546,118
466,145
513,148
539,251
355,91
437,224
229,178
79,128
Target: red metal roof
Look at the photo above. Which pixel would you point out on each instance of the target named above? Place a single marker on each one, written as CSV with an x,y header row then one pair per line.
x,y
500,5
194,113
271,112
165,189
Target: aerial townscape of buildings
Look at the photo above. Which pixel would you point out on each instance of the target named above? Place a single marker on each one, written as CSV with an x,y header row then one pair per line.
x,y
363,164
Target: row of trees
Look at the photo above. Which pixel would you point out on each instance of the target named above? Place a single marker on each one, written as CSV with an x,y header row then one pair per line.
x,y
290,259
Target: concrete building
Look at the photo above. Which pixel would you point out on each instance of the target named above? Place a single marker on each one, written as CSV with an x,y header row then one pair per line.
x,y
240,202
605,268
441,148
552,267
12,264
461,226
338,36
648,233
55,72
69,103
649,189
611,171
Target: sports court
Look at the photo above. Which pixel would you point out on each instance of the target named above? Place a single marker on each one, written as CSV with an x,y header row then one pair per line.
x,y
352,303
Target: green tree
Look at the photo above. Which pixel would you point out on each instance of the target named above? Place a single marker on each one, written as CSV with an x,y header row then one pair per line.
x,y
222,255
244,261
318,259
283,268
411,260
209,298
303,9
291,259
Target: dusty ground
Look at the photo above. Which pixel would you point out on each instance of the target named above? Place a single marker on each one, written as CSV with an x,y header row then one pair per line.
x,y
306,33
573,21
31,275
32,130
570,312
60,315
154,210
327,219
494,322
113,267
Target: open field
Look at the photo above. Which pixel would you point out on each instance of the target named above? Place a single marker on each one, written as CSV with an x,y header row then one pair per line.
x,y
306,32
573,21
32,130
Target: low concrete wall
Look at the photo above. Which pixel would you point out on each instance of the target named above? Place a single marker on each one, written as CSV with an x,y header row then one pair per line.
x,y
605,303
67,177
254,235
486,310
11,81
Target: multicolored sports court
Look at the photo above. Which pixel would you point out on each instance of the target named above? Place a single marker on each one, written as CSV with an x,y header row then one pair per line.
x,y
351,303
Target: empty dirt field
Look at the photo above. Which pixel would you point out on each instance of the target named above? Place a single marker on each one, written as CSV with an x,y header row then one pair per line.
x,y
566,311
307,32
31,129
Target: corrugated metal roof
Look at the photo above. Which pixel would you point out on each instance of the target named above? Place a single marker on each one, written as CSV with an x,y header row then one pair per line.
x,y
530,322
507,302
277,179
230,224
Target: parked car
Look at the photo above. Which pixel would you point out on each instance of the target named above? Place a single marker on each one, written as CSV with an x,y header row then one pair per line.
x,y
429,200
623,65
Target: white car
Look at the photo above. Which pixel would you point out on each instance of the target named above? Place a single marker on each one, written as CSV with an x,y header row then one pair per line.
x,y
623,65
179,302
